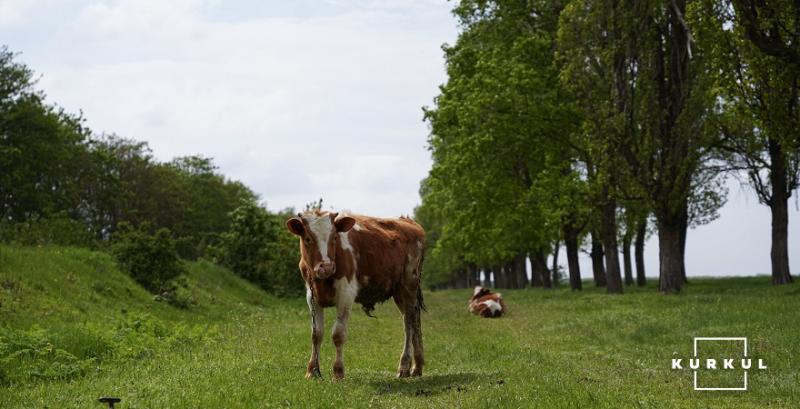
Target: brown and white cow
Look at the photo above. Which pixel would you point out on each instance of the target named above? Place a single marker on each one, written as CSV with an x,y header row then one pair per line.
x,y
486,303
350,258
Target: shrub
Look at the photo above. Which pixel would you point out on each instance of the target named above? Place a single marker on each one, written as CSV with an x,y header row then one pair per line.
x,y
57,229
283,255
150,259
258,248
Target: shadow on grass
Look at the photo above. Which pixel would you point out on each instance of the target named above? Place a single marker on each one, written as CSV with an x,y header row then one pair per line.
x,y
430,385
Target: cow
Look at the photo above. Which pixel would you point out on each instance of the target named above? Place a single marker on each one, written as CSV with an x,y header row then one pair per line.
x,y
351,258
486,303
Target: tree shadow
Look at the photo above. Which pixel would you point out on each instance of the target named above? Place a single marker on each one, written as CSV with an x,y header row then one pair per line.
x,y
429,385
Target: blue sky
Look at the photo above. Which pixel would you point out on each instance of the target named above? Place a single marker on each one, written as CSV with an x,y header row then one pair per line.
x,y
298,99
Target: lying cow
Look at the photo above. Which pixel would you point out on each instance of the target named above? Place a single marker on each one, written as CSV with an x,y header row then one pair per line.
x,y
351,258
486,303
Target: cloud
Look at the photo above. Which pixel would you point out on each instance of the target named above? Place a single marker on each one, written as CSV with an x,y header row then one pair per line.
x,y
296,107
14,12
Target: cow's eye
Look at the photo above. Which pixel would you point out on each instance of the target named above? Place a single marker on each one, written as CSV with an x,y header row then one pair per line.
x,y
308,240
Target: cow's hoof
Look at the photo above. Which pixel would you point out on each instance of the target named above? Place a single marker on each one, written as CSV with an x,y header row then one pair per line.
x,y
416,371
338,373
403,373
312,373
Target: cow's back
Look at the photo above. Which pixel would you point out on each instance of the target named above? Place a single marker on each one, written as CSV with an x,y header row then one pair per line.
x,y
387,253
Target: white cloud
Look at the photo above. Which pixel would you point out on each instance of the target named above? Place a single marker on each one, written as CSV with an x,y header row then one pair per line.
x,y
297,108
13,12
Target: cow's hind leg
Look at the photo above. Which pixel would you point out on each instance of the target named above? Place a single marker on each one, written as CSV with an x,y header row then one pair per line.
x,y
317,329
404,368
419,355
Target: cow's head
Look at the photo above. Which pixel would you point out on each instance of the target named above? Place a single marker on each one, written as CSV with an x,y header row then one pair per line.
x,y
318,239
479,292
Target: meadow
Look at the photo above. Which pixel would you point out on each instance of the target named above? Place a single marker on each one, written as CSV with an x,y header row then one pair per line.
x,y
74,328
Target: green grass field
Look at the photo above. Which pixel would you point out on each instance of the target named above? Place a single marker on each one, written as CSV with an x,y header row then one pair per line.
x,y
73,328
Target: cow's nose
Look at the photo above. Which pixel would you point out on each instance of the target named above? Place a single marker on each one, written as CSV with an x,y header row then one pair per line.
x,y
325,269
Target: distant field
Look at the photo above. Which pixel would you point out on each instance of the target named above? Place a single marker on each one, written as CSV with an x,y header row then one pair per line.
x,y
72,328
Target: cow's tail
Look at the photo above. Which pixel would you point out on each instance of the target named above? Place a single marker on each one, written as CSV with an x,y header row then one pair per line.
x,y
420,300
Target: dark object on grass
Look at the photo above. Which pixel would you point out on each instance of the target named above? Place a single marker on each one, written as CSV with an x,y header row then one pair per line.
x,y
110,401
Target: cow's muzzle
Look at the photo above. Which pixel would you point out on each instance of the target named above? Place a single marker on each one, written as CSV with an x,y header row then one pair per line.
x,y
325,270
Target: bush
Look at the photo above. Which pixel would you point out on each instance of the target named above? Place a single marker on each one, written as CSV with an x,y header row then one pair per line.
x,y
57,229
150,259
260,249
284,253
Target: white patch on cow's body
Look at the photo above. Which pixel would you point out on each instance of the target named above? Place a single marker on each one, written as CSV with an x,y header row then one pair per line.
x,y
346,292
477,290
493,305
321,227
357,227
344,239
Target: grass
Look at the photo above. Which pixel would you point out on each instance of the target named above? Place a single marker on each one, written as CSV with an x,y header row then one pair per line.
x,y
237,347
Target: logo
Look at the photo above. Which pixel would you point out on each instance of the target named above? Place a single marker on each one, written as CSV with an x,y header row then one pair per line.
x,y
719,364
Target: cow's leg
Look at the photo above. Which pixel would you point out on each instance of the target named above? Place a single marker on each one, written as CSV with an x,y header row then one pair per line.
x,y
317,329
346,291
419,355
403,369
339,337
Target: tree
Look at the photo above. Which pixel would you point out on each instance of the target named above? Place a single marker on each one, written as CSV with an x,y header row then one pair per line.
x,y
494,125
759,108
41,149
772,26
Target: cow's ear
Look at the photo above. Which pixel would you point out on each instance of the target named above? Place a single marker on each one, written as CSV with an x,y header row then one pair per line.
x,y
344,224
295,226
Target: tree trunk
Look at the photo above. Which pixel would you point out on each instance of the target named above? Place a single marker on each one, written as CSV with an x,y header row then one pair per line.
x,y
536,272
608,231
474,278
626,257
779,254
684,230
539,264
669,255
520,271
571,243
598,267
511,274
641,232
554,270
500,277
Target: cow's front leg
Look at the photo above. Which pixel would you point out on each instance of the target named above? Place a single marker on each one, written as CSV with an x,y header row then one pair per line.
x,y
317,330
339,336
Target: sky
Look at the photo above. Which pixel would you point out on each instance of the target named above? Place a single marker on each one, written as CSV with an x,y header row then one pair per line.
x,y
297,99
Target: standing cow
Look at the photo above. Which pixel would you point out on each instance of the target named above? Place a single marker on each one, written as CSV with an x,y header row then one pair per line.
x,y
486,303
351,258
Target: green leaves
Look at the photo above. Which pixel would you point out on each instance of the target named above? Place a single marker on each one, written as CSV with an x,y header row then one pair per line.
x,y
497,126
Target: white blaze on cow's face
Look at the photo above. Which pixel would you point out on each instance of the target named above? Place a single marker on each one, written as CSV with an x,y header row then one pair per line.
x,y
321,229
318,233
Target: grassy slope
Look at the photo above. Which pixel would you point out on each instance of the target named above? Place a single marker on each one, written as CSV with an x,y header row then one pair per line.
x,y
554,349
